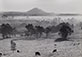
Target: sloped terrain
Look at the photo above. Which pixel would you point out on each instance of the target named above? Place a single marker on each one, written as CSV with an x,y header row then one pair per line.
x,y
44,46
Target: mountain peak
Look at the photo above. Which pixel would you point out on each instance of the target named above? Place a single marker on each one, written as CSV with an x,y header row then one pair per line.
x,y
36,11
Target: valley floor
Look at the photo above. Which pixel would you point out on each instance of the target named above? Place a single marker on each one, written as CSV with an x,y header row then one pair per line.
x,y
45,47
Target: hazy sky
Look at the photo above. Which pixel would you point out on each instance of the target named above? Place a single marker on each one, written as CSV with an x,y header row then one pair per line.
x,y
57,6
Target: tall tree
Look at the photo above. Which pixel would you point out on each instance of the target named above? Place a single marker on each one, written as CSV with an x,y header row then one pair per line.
x,y
39,30
47,31
65,30
30,29
6,30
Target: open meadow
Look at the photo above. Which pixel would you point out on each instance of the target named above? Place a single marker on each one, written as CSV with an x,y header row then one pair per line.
x,y
28,47
71,48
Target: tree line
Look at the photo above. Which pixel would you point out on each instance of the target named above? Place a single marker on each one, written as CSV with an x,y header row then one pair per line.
x,y
64,30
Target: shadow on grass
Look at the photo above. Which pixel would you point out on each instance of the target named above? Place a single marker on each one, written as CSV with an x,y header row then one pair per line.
x,y
5,38
61,39
1,38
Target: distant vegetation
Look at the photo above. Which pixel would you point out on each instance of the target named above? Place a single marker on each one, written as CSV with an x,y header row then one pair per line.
x,y
37,31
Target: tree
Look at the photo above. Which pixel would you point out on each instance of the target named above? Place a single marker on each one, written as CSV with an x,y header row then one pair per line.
x,y
4,16
6,30
65,30
9,29
3,31
14,31
47,31
30,29
39,30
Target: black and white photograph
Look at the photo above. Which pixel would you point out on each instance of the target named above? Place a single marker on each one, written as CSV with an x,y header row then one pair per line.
x,y
40,28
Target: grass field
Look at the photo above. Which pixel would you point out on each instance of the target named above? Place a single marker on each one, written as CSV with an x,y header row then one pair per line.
x,y
28,48
44,46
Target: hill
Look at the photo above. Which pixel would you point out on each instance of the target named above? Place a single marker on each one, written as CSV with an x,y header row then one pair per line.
x,y
37,12
32,12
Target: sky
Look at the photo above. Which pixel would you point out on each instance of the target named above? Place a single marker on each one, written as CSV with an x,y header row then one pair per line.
x,y
56,6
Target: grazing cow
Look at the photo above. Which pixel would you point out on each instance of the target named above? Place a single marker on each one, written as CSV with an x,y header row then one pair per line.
x,y
37,54
0,54
55,50
76,44
18,51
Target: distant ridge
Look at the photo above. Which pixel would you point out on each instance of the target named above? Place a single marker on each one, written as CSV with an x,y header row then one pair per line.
x,y
14,13
37,12
69,14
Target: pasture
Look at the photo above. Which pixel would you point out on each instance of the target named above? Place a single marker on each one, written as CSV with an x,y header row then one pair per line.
x,y
28,48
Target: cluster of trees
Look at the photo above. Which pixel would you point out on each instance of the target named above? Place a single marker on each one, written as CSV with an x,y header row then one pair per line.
x,y
64,29
6,30
38,30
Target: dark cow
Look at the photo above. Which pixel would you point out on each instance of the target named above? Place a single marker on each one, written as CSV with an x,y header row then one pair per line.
x,y
37,54
18,51
0,54
55,50
76,44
